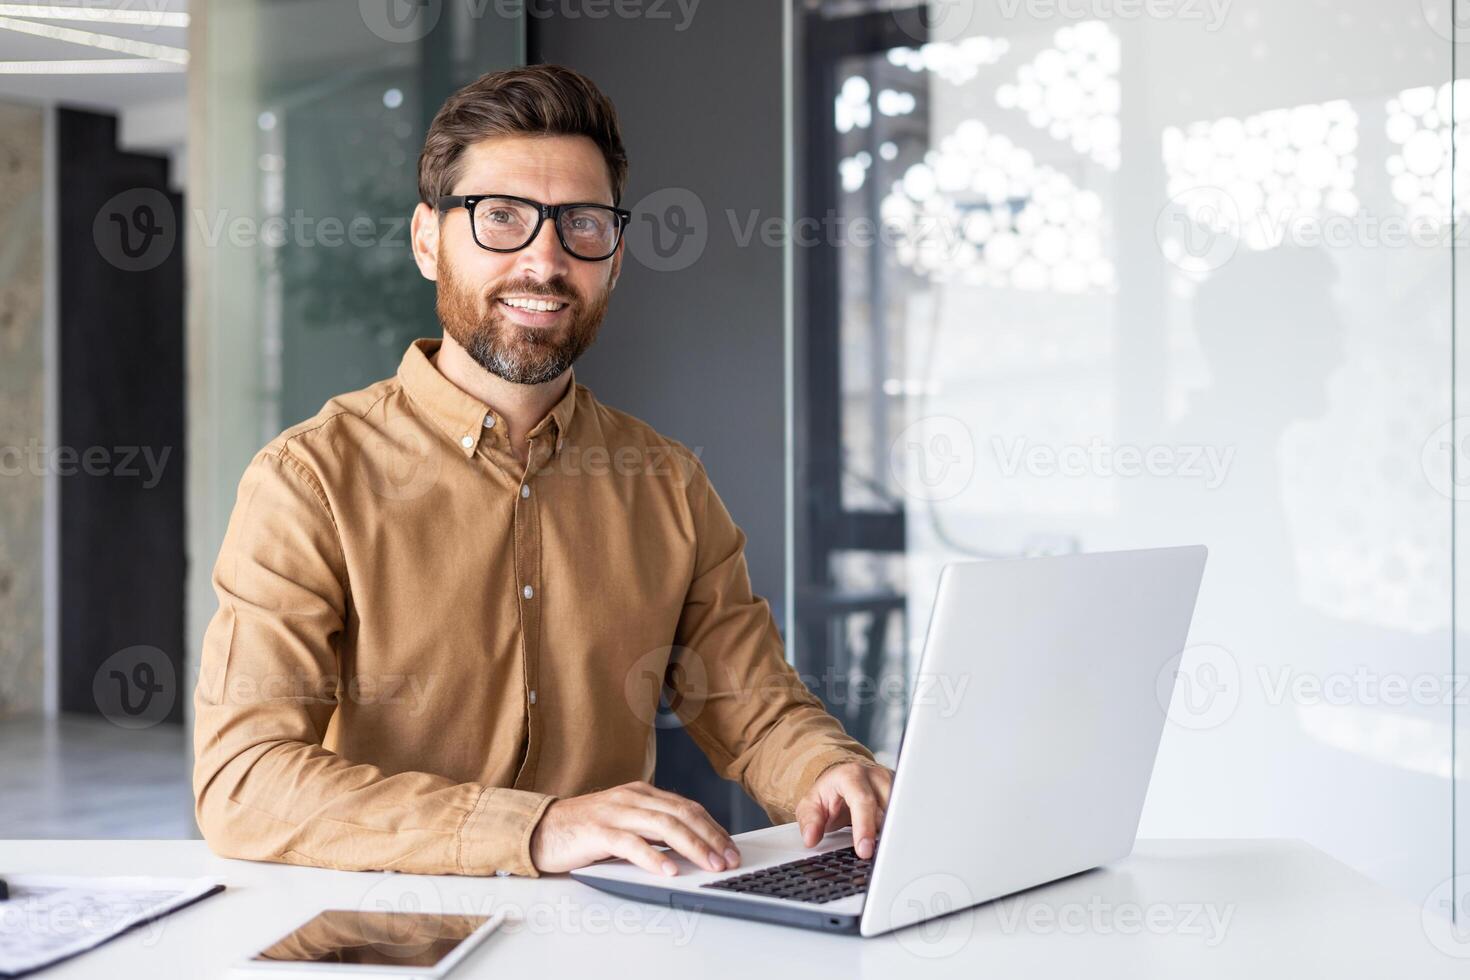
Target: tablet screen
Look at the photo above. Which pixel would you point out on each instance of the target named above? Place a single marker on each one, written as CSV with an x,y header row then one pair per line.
x,y
376,938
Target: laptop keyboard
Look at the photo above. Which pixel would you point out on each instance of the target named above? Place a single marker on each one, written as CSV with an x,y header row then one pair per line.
x,y
819,879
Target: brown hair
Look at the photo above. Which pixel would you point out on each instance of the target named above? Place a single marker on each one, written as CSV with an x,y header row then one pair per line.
x,y
535,100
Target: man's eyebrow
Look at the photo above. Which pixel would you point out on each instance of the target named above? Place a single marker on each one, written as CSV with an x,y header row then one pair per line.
x,y
573,199
493,183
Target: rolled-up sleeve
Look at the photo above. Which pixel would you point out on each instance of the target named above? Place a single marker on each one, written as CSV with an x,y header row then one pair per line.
x,y
741,702
265,787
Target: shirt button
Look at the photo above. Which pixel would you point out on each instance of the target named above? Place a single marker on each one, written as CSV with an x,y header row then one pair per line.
x,y
525,490
533,697
489,421
467,441
527,592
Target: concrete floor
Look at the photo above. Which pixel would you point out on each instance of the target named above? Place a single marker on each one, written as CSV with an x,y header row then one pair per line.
x,y
81,777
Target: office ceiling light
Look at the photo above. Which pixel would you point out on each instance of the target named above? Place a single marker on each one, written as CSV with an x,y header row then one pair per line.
x,y
1071,91
853,109
854,170
93,66
97,15
91,39
1273,167
1419,127
956,62
979,209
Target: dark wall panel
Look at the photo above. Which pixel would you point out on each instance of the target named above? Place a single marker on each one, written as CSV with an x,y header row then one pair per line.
x,y
120,456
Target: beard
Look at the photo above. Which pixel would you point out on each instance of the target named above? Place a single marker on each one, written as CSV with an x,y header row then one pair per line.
x,y
518,354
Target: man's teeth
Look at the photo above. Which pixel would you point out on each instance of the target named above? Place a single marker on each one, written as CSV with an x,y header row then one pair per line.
x,y
537,305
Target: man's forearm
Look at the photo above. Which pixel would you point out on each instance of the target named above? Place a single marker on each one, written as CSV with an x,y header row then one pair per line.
x,y
299,803
806,743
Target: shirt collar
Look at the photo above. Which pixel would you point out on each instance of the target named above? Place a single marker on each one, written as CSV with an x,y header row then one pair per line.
x,y
459,415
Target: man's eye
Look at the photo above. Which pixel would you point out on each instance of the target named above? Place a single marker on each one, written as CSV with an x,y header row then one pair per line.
x,y
502,216
588,224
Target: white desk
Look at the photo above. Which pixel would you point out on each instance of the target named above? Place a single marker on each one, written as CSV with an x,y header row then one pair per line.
x,y
1287,910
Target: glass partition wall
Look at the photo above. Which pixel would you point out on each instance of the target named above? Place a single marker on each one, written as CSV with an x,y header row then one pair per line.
x,y
1091,281
307,119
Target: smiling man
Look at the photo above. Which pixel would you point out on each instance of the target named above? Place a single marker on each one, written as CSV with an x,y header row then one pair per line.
x,y
449,602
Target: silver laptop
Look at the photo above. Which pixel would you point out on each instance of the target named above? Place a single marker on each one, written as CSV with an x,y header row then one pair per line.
x,y
1036,772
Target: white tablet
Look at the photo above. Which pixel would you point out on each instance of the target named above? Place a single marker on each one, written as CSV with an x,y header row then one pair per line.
x,y
342,943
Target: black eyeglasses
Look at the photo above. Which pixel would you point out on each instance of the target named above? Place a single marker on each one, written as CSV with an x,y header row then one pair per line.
x,y
502,223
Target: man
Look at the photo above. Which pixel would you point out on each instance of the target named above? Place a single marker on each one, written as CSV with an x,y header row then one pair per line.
x,y
449,601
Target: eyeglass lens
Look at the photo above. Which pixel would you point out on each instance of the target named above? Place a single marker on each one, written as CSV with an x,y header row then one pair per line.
x,y
509,224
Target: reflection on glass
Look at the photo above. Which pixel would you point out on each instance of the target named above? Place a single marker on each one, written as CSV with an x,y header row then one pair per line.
x,y
1070,90
1272,167
1148,282
1418,127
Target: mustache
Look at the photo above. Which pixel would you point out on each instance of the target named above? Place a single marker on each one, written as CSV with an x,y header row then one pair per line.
x,y
557,289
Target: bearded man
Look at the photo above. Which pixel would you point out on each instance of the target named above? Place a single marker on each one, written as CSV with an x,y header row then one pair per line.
x,y
449,602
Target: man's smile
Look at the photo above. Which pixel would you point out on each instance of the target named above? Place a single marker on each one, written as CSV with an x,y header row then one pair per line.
x,y
533,311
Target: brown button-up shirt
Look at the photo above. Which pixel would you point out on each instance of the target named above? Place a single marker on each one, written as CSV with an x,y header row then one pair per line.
x,y
421,643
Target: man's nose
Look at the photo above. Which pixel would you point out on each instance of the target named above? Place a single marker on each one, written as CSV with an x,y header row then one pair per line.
x,y
544,257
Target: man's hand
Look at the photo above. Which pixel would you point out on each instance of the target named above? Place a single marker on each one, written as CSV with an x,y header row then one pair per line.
x,y
848,790
620,822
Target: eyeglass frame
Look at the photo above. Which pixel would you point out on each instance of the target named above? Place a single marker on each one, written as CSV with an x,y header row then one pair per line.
x,y
450,202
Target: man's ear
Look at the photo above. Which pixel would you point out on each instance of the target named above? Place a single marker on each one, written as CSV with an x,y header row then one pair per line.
x,y
425,237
